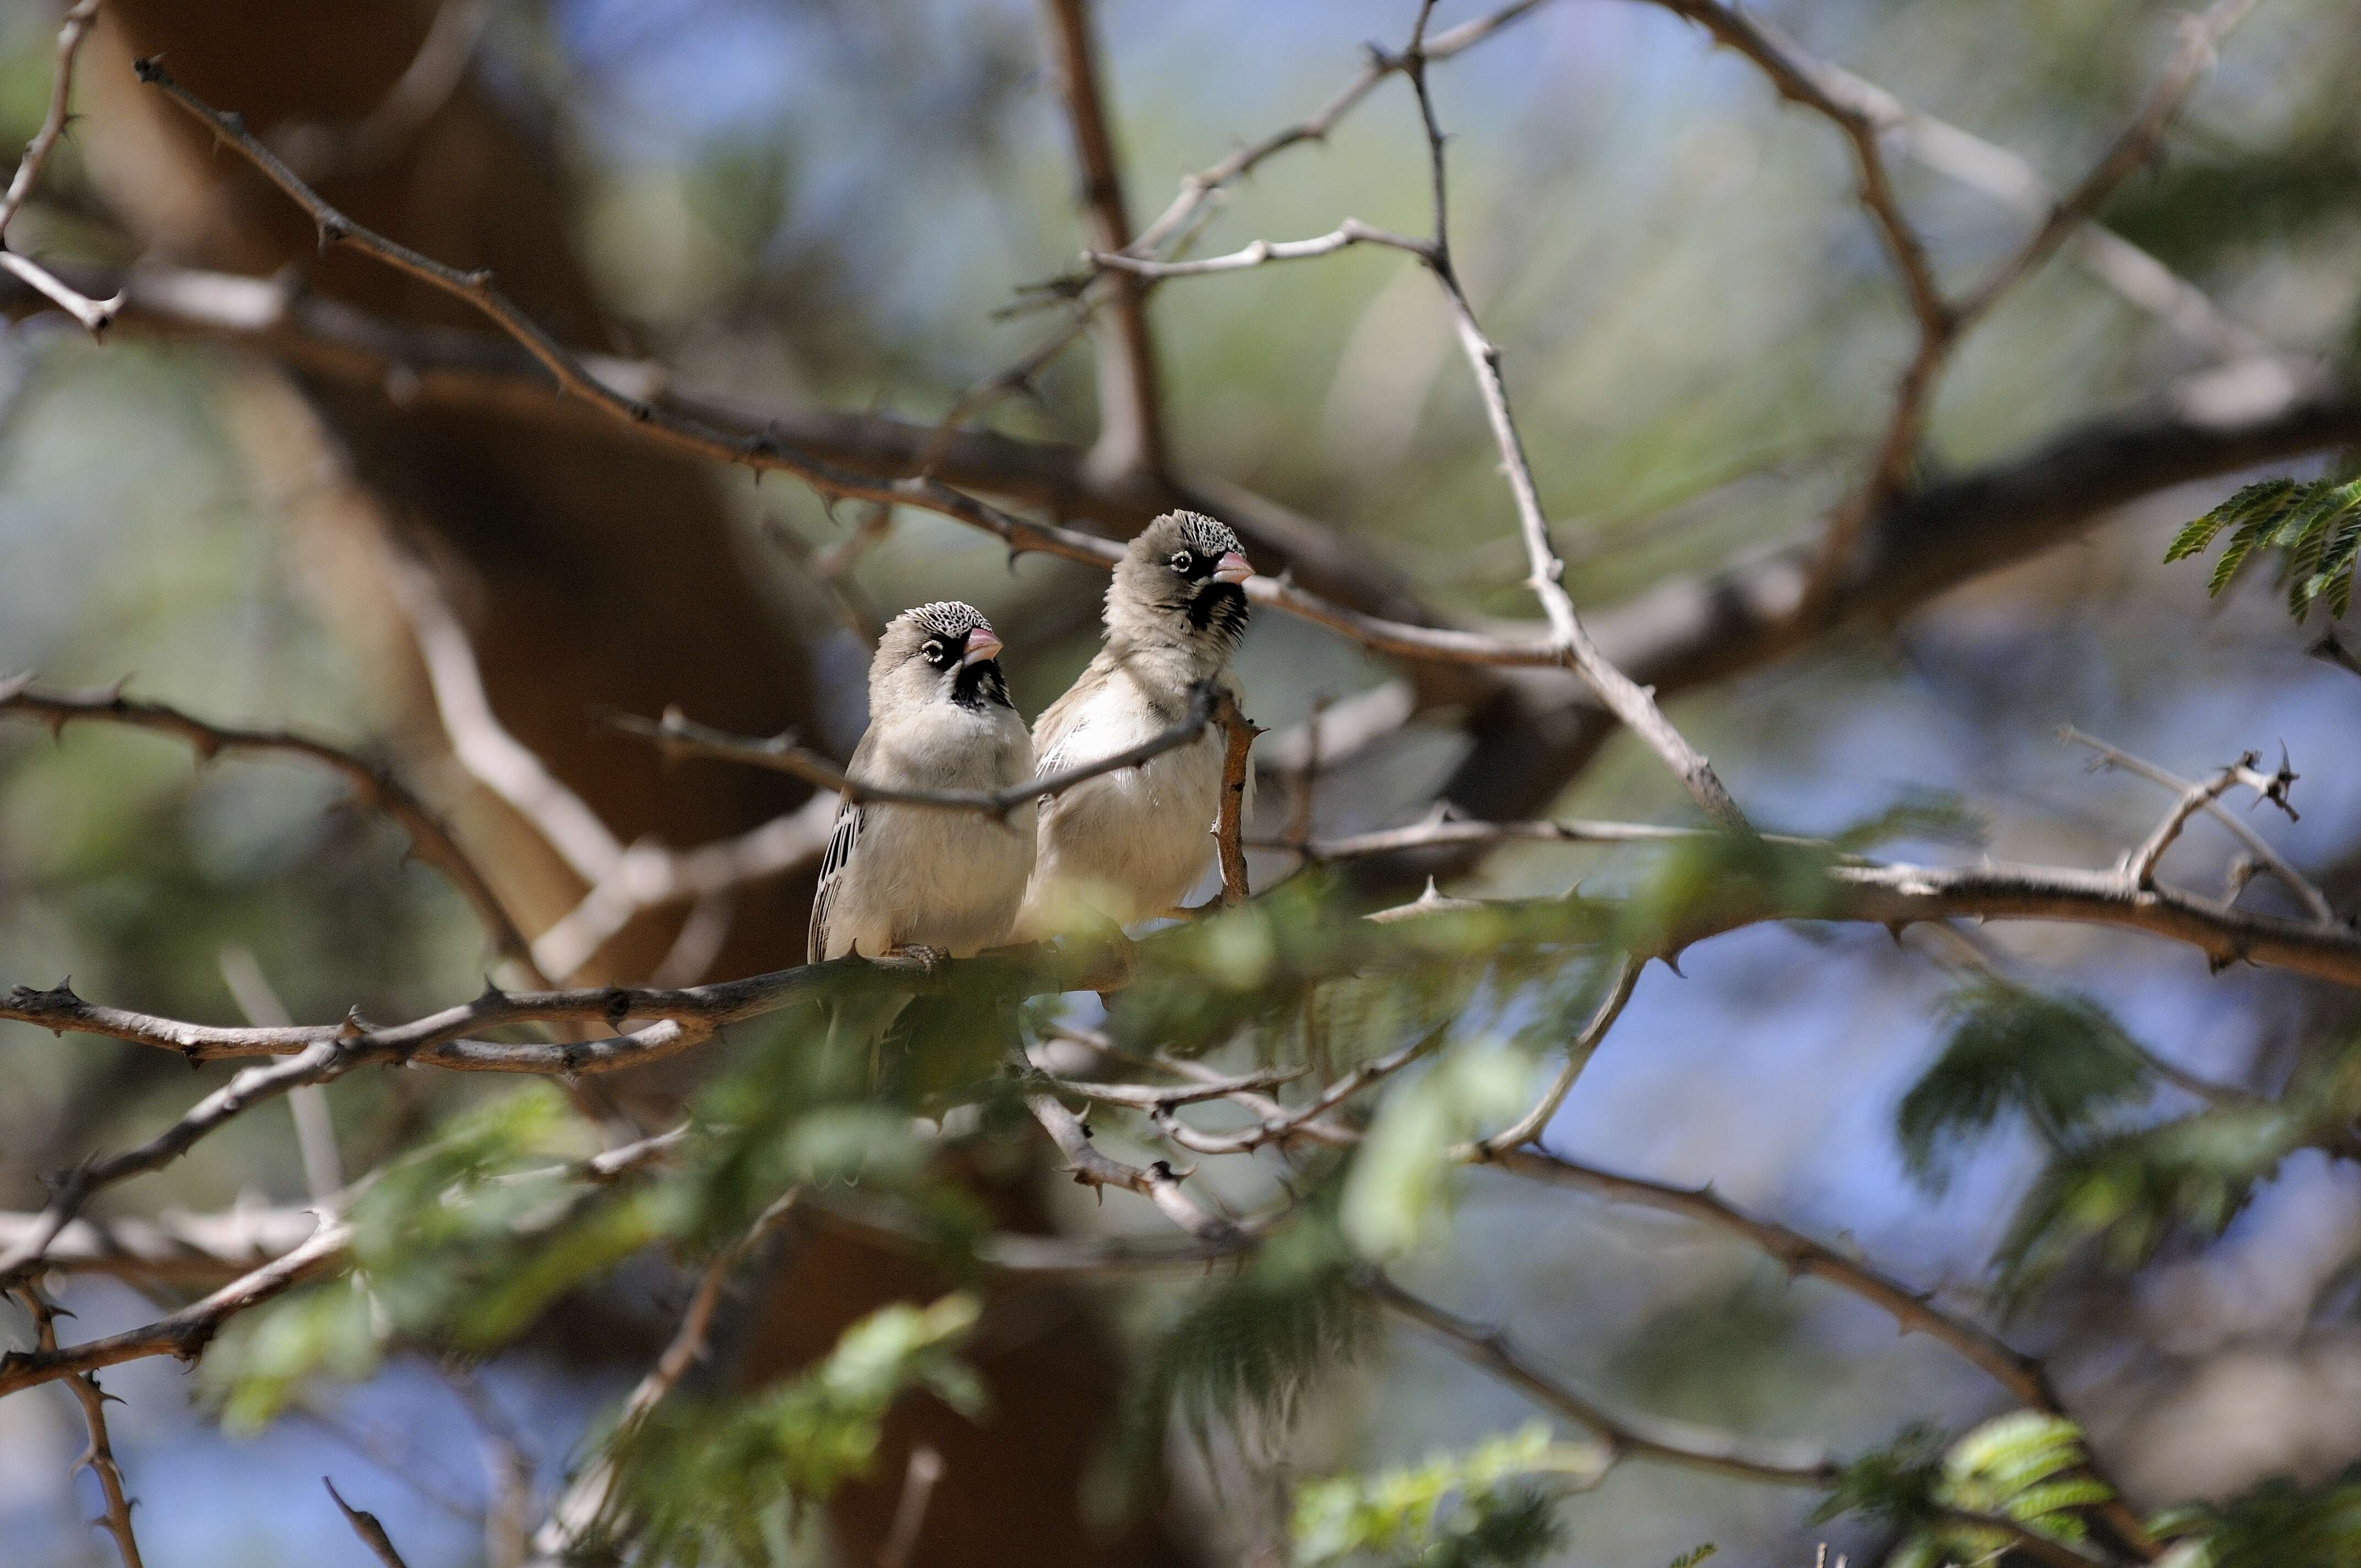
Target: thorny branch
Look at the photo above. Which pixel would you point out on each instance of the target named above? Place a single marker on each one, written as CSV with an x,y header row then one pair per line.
x,y
1571,642
622,881
1627,701
2139,866
2259,847
185,1333
366,1526
93,315
99,1456
1623,1434
682,431
373,786
1158,1182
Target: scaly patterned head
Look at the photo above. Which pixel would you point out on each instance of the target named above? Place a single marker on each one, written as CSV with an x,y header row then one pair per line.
x,y
1182,580
944,652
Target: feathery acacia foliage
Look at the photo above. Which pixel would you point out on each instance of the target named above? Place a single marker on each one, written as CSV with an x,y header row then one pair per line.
x,y
731,1485
2278,1525
2063,1062
2315,524
1489,1508
2027,1466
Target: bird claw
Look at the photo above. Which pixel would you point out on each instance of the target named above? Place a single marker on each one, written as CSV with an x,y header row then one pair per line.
x,y
928,960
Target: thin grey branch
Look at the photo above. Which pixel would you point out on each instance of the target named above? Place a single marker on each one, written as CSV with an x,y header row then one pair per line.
x,y
374,787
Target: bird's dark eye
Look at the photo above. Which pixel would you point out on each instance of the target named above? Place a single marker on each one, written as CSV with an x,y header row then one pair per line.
x,y
933,651
1183,561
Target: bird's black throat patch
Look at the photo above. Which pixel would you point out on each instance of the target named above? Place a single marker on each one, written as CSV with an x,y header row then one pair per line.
x,y
978,686
1221,608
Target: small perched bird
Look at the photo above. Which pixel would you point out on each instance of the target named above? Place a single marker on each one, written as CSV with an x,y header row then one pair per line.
x,y
910,880
1130,844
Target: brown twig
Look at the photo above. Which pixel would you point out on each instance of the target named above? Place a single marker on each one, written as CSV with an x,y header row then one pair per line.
x,y
93,315
373,786
99,1456
1238,734
1961,155
1131,435
367,1527
2025,1376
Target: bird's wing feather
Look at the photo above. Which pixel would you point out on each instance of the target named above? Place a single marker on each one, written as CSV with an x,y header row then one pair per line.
x,y
842,837
1055,731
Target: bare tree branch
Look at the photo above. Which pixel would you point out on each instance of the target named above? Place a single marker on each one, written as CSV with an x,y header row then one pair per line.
x,y
2139,865
685,1016
1625,698
1157,1182
1131,433
186,1334
2294,880
1914,1312
1941,332
93,315
99,1456
1529,1128
373,786
1639,1436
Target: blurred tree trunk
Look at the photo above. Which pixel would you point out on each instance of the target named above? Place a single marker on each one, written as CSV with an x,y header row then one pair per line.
x,y
590,574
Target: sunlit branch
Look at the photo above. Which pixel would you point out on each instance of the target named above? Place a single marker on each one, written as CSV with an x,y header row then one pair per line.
x,y
1157,1182
93,315
2259,847
185,1333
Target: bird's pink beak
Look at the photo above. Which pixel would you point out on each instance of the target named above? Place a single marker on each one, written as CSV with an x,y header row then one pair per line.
x,y
982,644
1233,567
